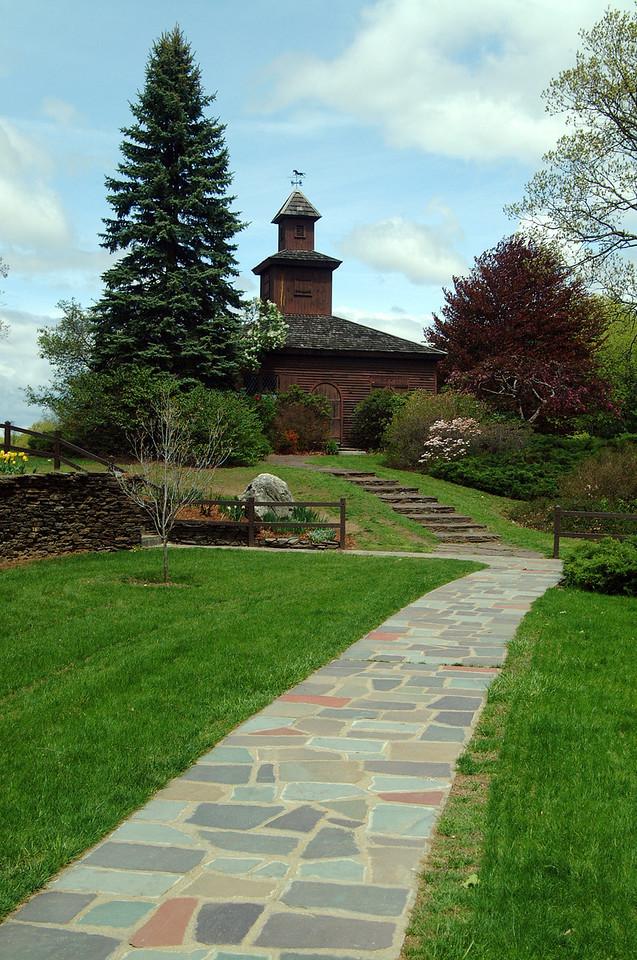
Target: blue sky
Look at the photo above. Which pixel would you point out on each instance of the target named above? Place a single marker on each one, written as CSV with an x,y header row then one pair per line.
x,y
415,122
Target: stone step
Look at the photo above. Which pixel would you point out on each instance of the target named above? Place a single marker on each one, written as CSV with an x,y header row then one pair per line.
x,y
452,527
379,488
351,474
405,499
422,506
443,519
467,537
407,492
375,482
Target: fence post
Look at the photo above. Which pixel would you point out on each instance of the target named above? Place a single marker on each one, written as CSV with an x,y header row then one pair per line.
x,y
250,516
7,436
341,543
557,522
56,450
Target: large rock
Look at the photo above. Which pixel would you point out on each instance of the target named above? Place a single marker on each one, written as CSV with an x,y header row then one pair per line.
x,y
270,488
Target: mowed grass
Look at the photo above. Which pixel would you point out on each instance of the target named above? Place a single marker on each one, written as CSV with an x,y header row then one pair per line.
x,y
110,685
554,845
482,507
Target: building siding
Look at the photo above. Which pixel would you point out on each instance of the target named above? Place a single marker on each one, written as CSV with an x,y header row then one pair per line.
x,y
355,376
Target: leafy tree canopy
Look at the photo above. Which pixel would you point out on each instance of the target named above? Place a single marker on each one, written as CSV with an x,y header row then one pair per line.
x,y
586,194
521,332
169,301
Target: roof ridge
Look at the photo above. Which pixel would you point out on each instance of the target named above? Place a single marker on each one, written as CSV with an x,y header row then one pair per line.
x,y
297,205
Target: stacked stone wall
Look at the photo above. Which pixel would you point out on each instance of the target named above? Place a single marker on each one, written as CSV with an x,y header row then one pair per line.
x,y
47,514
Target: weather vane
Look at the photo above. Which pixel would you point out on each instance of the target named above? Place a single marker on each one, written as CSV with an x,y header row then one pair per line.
x,y
297,178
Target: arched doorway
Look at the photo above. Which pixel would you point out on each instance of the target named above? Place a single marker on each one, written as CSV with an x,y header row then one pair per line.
x,y
333,394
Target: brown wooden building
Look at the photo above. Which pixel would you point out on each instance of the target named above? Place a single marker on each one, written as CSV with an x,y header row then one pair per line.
x,y
323,353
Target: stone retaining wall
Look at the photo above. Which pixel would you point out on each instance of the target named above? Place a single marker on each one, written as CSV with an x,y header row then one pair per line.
x,y
219,534
204,533
46,514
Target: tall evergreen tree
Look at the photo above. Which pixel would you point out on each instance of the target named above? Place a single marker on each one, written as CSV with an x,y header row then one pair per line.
x,y
168,302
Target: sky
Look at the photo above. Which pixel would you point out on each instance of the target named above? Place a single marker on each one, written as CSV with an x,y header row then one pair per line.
x,y
415,122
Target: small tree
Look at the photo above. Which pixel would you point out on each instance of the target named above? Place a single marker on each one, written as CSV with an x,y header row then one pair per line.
x,y
262,327
168,472
521,332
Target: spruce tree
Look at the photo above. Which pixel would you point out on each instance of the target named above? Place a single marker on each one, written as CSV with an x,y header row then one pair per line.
x,y
168,302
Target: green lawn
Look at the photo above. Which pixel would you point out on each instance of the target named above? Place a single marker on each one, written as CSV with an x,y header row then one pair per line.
x,y
482,507
110,686
554,844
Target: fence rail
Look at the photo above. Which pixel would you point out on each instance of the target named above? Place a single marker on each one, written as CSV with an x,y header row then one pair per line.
x,y
248,506
59,444
559,532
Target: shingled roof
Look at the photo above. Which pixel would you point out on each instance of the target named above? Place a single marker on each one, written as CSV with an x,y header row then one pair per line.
x,y
314,332
298,257
297,205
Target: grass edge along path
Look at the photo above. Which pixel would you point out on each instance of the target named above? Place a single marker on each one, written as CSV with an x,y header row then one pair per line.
x,y
542,812
111,685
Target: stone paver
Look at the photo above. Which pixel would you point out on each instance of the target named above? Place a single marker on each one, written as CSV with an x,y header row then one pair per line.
x,y
302,833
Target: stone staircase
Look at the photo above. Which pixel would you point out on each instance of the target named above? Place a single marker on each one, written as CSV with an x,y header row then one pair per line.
x,y
448,526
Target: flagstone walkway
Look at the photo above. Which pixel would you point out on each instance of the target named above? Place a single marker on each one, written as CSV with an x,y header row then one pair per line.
x,y
299,836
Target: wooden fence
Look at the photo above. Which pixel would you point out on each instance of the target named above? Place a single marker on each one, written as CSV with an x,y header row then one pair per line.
x,y
559,532
58,446
254,524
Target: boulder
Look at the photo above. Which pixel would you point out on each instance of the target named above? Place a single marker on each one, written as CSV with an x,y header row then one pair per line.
x,y
270,488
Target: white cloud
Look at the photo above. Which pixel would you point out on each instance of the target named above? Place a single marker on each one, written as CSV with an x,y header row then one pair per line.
x,y
30,211
461,79
20,364
422,252
37,237
60,111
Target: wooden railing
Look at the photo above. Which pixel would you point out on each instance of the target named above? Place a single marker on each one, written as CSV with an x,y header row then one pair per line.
x,y
248,507
58,446
559,532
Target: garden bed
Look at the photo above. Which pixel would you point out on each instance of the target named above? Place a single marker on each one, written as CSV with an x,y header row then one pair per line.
x,y
235,522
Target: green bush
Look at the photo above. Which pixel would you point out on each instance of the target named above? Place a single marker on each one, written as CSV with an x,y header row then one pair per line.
x,y
608,566
520,481
47,427
238,418
102,411
99,411
266,406
605,481
302,421
406,434
373,415
532,471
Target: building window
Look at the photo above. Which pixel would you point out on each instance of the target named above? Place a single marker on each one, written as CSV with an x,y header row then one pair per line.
x,y
299,231
302,288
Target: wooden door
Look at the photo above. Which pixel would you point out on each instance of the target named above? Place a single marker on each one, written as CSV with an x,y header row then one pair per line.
x,y
333,394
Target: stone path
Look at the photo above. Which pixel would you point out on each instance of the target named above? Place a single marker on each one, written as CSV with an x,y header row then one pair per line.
x,y
299,836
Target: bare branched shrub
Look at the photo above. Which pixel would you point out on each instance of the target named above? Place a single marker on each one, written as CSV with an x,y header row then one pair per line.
x,y
168,465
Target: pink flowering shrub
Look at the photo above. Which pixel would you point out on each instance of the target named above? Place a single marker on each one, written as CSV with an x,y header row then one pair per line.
x,y
450,439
